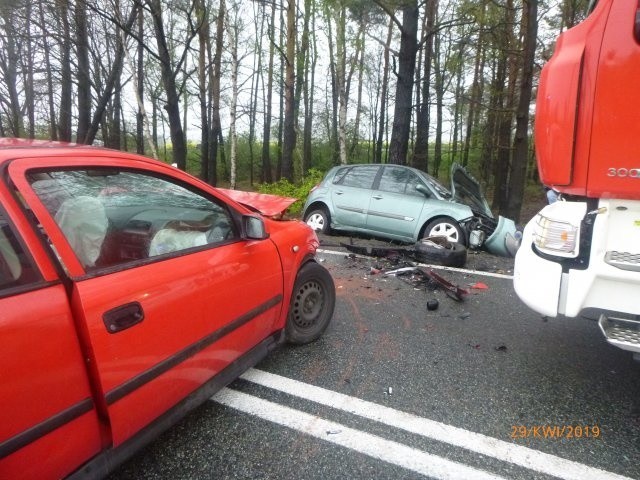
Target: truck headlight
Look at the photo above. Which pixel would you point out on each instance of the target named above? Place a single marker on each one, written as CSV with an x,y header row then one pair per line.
x,y
556,237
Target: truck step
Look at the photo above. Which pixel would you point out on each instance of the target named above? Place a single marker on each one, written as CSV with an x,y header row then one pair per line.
x,y
621,332
623,260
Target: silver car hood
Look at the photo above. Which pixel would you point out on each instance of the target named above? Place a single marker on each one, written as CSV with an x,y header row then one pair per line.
x,y
466,190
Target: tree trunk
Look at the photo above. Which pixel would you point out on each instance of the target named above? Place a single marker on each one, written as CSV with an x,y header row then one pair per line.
x,y
377,155
255,83
420,157
476,93
64,124
203,34
53,128
113,81
266,175
333,130
518,176
28,84
82,73
404,90
309,88
10,71
233,138
169,82
115,140
140,118
341,81
289,132
360,65
459,101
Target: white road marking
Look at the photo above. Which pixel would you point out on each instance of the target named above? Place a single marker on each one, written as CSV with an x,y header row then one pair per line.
x,y
475,442
436,267
371,445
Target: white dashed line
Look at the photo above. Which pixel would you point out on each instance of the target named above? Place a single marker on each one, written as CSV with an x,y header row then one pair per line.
x,y
475,442
371,445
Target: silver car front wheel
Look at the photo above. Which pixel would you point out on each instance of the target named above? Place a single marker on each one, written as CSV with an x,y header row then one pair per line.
x,y
318,220
445,227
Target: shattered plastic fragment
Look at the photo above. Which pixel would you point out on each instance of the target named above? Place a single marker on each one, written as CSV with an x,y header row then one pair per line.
x,y
400,271
479,286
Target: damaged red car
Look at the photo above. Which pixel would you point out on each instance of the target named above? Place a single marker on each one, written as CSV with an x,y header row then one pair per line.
x,y
130,292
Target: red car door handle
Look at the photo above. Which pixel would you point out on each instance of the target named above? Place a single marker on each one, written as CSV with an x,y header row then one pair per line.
x,y
123,317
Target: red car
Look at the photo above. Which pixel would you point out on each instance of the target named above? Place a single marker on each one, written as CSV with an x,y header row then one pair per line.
x,y
130,292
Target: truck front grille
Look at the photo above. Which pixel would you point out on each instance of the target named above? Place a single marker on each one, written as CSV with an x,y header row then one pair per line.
x,y
623,260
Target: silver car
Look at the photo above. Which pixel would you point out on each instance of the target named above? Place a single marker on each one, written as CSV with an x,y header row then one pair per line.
x,y
406,204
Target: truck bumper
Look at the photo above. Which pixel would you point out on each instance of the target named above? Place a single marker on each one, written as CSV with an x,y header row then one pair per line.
x,y
607,290
535,279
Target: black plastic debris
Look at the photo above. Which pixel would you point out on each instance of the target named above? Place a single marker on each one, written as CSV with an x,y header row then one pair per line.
x,y
434,250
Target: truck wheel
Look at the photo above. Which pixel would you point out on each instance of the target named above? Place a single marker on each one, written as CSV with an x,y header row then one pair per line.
x,y
319,220
445,227
312,302
441,251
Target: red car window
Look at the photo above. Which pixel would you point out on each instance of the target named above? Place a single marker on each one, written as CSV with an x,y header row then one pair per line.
x,y
15,268
110,217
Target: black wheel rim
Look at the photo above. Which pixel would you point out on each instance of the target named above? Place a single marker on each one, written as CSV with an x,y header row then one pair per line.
x,y
308,304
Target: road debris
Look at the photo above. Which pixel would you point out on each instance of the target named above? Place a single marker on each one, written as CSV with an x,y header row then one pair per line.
x,y
479,286
434,250
449,288
432,304
453,291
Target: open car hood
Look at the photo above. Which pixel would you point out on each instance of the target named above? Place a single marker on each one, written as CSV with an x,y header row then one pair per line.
x,y
466,190
264,203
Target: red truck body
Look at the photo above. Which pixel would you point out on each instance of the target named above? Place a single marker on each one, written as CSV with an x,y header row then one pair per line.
x,y
587,115
580,256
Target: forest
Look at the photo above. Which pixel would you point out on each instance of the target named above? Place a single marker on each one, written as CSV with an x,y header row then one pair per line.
x,y
250,92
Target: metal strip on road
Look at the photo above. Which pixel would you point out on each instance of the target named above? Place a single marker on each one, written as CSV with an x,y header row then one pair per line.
x,y
366,443
475,442
437,267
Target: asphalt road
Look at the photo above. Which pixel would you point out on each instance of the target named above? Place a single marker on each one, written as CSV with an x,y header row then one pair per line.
x,y
474,389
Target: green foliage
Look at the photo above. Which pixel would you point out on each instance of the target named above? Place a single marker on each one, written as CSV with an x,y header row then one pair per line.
x,y
299,190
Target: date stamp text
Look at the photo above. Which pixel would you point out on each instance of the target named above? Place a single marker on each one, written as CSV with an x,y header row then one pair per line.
x,y
555,431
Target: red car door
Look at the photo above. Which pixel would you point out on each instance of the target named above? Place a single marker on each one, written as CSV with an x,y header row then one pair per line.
x,y
48,420
167,290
